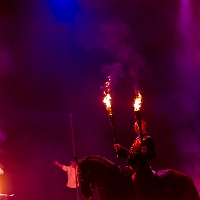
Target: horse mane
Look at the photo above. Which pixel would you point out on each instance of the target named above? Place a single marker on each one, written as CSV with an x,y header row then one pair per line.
x,y
102,160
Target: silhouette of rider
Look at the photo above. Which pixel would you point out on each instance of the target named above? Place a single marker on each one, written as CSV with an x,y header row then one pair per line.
x,y
140,153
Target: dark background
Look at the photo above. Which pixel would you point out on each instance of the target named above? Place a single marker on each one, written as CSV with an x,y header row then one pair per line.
x,y
54,57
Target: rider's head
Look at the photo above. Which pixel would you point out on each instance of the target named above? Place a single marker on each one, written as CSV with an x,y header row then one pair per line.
x,y
143,127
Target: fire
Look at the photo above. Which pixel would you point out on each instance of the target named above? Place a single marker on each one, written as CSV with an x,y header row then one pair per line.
x,y
107,97
138,102
107,101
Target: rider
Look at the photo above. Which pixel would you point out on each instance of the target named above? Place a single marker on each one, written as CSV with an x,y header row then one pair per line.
x,y
141,151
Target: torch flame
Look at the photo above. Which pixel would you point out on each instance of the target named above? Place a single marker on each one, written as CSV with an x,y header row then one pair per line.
x,y
107,101
138,102
107,96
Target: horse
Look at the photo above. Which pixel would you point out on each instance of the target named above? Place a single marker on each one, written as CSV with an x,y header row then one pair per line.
x,y
98,174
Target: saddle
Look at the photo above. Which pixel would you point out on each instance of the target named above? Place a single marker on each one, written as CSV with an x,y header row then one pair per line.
x,y
133,171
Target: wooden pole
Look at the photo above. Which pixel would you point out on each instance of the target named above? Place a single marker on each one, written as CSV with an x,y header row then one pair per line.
x,y
73,146
138,118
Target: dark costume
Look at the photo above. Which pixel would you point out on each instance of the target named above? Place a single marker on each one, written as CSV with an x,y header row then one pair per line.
x,y
137,159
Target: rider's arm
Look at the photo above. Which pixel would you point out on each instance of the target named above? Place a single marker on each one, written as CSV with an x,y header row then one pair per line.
x,y
121,151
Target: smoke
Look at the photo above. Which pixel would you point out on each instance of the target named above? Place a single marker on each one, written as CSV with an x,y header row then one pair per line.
x,y
6,58
187,98
190,148
6,68
6,64
115,39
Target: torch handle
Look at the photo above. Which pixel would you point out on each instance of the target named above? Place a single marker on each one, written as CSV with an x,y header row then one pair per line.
x,y
111,119
140,127
138,118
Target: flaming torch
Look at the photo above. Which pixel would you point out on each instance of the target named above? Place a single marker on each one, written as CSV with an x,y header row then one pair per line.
x,y
137,105
107,101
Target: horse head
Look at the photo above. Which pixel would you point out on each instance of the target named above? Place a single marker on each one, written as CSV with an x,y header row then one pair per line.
x,y
95,172
85,178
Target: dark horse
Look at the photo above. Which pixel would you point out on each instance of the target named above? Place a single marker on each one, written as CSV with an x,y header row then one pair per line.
x,y
112,182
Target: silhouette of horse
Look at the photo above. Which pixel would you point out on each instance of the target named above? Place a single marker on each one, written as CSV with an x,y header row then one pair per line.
x,y
111,182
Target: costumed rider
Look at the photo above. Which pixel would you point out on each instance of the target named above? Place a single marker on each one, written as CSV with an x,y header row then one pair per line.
x,y
140,153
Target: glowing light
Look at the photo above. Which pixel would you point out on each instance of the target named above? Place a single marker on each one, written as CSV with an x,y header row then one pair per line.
x,y
107,101
138,102
107,97
6,195
1,171
64,10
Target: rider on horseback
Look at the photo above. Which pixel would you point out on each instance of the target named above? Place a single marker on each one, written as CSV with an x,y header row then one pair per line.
x,y
141,151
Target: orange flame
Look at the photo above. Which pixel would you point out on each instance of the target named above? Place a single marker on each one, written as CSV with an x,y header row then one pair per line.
x,y
138,102
107,96
107,101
